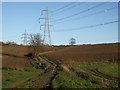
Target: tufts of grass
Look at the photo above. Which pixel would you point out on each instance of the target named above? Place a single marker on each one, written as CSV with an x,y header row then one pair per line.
x,y
69,80
12,78
110,69
103,79
37,65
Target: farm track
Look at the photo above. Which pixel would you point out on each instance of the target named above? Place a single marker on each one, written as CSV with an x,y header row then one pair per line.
x,y
13,55
41,81
80,74
85,75
96,72
44,80
0,55
54,74
51,69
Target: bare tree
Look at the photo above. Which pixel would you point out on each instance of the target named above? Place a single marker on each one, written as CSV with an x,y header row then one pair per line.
x,y
36,43
72,41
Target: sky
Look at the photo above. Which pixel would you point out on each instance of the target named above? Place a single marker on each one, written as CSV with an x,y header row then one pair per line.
x,y
20,16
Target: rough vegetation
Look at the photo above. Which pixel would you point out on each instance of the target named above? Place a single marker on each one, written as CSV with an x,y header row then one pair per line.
x,y
83,66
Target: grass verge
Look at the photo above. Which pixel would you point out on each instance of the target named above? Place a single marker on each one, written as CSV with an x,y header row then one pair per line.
x,y
12,78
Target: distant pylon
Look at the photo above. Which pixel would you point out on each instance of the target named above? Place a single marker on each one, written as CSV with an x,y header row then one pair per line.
x,y
25,38
46,26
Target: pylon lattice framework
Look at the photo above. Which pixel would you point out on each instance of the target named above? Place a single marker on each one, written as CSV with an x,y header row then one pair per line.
x,y
46,25
25,38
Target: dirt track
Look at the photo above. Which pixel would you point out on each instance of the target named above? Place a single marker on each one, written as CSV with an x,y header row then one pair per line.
x,y
100,74
0,61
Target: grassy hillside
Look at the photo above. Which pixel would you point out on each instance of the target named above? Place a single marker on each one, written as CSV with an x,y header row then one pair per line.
x,y
21,72
87,66
83,66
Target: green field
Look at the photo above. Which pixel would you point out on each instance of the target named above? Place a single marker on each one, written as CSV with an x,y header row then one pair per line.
x,y
110,69
108,78
13,78
34,77
89,77
102,74
53,71
69,80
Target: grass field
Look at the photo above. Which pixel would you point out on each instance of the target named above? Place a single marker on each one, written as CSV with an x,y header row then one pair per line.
x,y
82,75
69,80
13,78
84,66
96,65
20,72
110,69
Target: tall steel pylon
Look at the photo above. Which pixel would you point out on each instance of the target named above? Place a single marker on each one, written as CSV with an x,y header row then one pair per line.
x,y
25,38
46,25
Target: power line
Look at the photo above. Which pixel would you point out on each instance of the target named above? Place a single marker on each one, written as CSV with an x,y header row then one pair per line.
x,y
86,10
46,26
96,13
25,38
68,8
87,27
67,5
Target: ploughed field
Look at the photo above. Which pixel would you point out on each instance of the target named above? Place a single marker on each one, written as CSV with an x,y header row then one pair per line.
x,y
94,65
19,71
86,53
14,56
83,66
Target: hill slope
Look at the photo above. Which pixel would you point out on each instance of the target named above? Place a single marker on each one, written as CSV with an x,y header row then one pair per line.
x,y
81,53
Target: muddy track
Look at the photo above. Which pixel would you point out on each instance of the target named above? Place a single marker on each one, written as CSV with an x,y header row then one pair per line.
x,y
88,77
96,72
80,74
53,69
54,74
13,55
43,80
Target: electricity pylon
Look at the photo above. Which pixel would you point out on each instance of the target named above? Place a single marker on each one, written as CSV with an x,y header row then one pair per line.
x,y
46,26
25,38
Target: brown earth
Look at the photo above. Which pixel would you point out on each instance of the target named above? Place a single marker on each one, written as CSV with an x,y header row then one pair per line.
x,y
22,50
86,53
14,56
